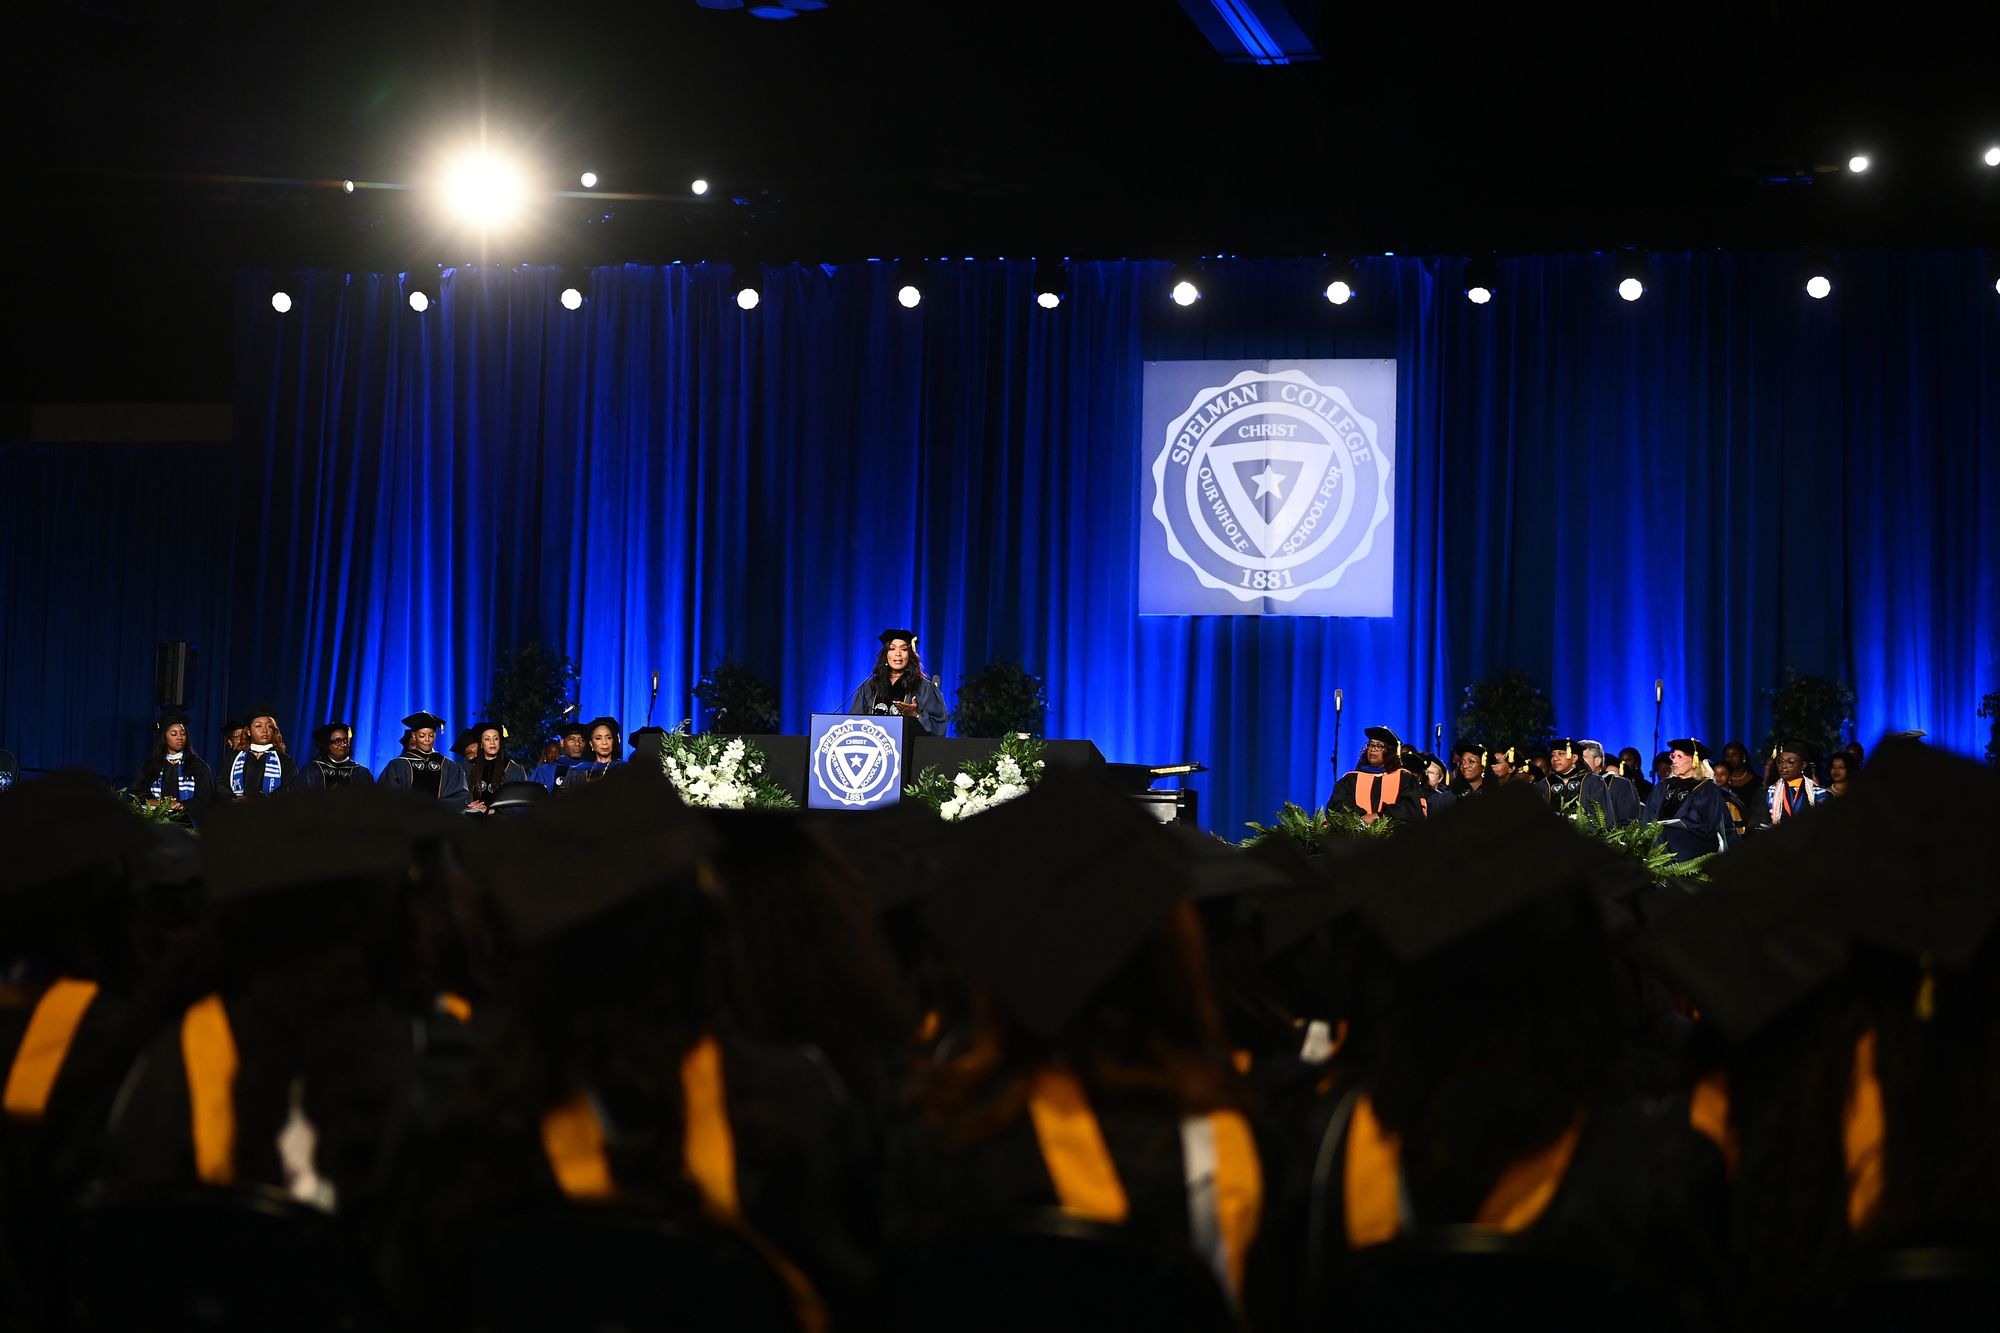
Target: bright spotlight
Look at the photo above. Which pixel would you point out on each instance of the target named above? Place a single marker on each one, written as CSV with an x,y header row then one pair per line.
x,y
1858,163
1631,289
747,298
483,191
1049,300
588,180
698,185
281,302
1186,293
908,297
571,299
347,187
1818,287
1479,295
1338,292
1993,156
419,302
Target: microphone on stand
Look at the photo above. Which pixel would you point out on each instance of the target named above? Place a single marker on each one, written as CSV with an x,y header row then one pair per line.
x,y
1659,699
655,699
1336,725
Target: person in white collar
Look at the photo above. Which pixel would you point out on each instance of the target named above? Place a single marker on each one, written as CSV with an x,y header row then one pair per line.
x,y
420,768
261,768
1795,792
173,772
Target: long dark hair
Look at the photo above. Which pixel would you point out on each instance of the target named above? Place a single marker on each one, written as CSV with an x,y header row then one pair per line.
x,y
880,679
159,754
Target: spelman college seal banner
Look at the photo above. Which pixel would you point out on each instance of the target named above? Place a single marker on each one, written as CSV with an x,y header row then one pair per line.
x,y
1270,488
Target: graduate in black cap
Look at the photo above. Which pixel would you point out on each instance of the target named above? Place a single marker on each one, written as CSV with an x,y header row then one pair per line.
x,y
1094,1077
899,685
173,772
490,768
260,768
332,763
1693,817
1378,786
556,774
1795,791
617,1075
302,1069
1570,787
1488,1095
420,768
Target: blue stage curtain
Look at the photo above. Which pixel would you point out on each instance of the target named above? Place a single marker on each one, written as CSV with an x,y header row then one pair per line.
x,y
1702,487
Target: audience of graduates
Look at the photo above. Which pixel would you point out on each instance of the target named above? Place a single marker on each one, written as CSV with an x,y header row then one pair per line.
x,y
1308,1079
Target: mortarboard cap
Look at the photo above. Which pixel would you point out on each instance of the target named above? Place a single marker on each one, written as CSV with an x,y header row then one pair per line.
x,y
422,719
255,711
1494,756
1465,747
1804,749
1056,890
1688,745
1438,883
1386,736
171,716
1218,869
902,852
354,834
1566,745
908,636
611,722
629,829
470,736
67,832
573,727
322,734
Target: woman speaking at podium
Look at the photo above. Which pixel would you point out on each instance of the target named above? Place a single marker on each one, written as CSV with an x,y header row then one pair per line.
x,y
899,685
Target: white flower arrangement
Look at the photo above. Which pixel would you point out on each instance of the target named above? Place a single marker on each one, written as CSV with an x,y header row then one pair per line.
x,y
720,773
1009,772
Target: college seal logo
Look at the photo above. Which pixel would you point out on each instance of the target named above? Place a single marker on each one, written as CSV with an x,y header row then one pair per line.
x,y
856,763
1271,485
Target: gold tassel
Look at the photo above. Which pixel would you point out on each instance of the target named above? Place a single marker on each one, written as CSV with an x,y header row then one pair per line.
x,y
1927,991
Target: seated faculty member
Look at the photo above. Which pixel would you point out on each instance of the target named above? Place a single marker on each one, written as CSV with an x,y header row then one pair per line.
x,y
899,685
420,768
572,752
332,763
490,768
259,768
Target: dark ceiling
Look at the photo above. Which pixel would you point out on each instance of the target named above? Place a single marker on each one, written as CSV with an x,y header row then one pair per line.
x,y
159,146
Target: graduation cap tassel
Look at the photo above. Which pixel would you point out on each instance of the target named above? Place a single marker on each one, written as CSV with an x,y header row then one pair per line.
x,y
1926,1006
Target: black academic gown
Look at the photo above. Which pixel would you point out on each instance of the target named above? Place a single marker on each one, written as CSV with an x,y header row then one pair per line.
x,y
325,775
483,781
250,780
1752,806
431,774
190,781
800,1158
1643,1199
1369,783
1626,802
930,703
1575,792
1693,818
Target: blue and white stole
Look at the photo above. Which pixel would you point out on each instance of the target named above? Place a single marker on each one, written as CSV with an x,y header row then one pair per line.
x,y
274,771
184,775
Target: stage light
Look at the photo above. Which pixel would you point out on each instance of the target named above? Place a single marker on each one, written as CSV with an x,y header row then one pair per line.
x,y
281,301
1631,289
419,302
347,187
1482,280
571,299
483,190
1185,293
1479,295
1992,158
698,185
1818,287
1858,163
908,296
747,298
1338,292
422,283
588,180
1051,281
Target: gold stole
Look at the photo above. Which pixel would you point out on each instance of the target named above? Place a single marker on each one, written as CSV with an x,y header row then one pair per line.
x,y
1373,1183
44,1046
1087,1184
573,1140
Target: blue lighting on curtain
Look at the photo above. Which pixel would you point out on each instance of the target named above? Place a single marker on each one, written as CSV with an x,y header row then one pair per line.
x,y
1705,487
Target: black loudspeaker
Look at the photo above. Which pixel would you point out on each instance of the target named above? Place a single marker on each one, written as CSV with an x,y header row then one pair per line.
x,y
172,668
